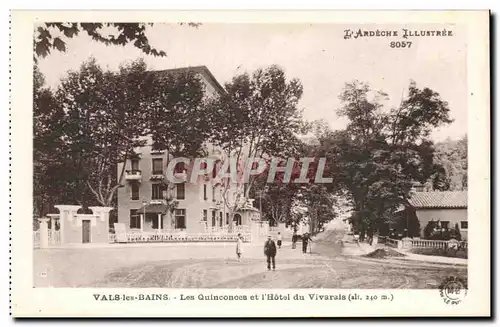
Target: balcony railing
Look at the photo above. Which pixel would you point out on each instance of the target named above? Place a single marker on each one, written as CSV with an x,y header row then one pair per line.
x,y
133,175
157,176
181,174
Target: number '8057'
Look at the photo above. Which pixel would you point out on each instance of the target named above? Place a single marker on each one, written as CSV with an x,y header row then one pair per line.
x,y
400,44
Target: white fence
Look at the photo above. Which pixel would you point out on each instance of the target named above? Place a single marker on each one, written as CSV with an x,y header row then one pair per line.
x,y
150,237
429,244
54,238
418,243
227,229
36,239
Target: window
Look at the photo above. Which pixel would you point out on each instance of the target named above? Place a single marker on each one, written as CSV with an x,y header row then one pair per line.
x,y
181,191
157,166
214,223
445,224
156,192
135,219
205,215
464,225
220,219
237,219
213,194
134,164
227,218
180,167
135,191
205,197
214,170
180,218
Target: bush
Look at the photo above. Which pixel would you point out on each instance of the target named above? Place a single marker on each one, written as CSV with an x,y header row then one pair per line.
x,y
445,235
455,233
429,229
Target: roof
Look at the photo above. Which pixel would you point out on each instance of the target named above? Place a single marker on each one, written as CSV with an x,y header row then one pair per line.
x,y
153,208
443,200
203,70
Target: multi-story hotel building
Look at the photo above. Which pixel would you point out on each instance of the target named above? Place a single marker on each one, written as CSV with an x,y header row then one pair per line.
x,y
142,203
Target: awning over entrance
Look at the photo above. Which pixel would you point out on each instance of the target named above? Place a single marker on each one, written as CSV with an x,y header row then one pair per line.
x,y
248,209
153,208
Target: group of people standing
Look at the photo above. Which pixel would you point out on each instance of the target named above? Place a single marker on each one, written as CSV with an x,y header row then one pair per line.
x,y
271,248
306,238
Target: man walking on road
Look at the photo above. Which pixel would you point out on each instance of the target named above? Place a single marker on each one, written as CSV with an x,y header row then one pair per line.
x,y
305,240
270,252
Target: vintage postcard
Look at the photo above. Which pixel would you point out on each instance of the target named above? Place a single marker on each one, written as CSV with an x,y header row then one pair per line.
x,y
250,164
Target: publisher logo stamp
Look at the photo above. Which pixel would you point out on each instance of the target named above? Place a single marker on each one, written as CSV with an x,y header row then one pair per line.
x,y
453,290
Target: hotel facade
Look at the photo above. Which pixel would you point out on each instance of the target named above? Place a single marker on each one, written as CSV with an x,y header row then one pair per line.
x,y
145,202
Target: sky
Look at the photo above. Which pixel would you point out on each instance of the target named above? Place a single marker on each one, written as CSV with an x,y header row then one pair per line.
x,y
316,54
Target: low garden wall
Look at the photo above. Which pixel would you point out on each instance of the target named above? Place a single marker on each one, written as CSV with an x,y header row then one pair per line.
x,y
408,243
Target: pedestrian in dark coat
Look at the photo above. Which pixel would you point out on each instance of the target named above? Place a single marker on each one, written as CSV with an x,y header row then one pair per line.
x,y
270,252
294,239
305,240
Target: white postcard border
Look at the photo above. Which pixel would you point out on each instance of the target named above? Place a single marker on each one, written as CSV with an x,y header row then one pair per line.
x,y
28,301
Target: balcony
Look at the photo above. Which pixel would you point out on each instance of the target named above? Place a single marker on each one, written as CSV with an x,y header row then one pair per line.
x,y
157,176
157,151
133,175
181,175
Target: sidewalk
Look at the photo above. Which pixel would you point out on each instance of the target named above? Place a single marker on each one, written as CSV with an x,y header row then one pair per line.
x,y
360,249
432,258
146,245
356,249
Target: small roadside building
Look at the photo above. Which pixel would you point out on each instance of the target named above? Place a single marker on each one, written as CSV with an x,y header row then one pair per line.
x,y
449,208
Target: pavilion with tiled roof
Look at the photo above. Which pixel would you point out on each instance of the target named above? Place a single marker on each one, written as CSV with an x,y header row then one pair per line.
x,y
432,200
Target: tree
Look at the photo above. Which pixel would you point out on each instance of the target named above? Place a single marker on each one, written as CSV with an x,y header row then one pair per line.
x,y
258,117
50,36
451,156
406,223
278,197
52,169
104,119
381,153
108,114
176,120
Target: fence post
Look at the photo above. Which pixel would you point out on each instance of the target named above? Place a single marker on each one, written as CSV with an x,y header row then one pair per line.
x,y
406,243
44,232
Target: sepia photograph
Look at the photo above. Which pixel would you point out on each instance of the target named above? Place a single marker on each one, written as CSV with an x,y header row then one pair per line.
x,y
251,155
